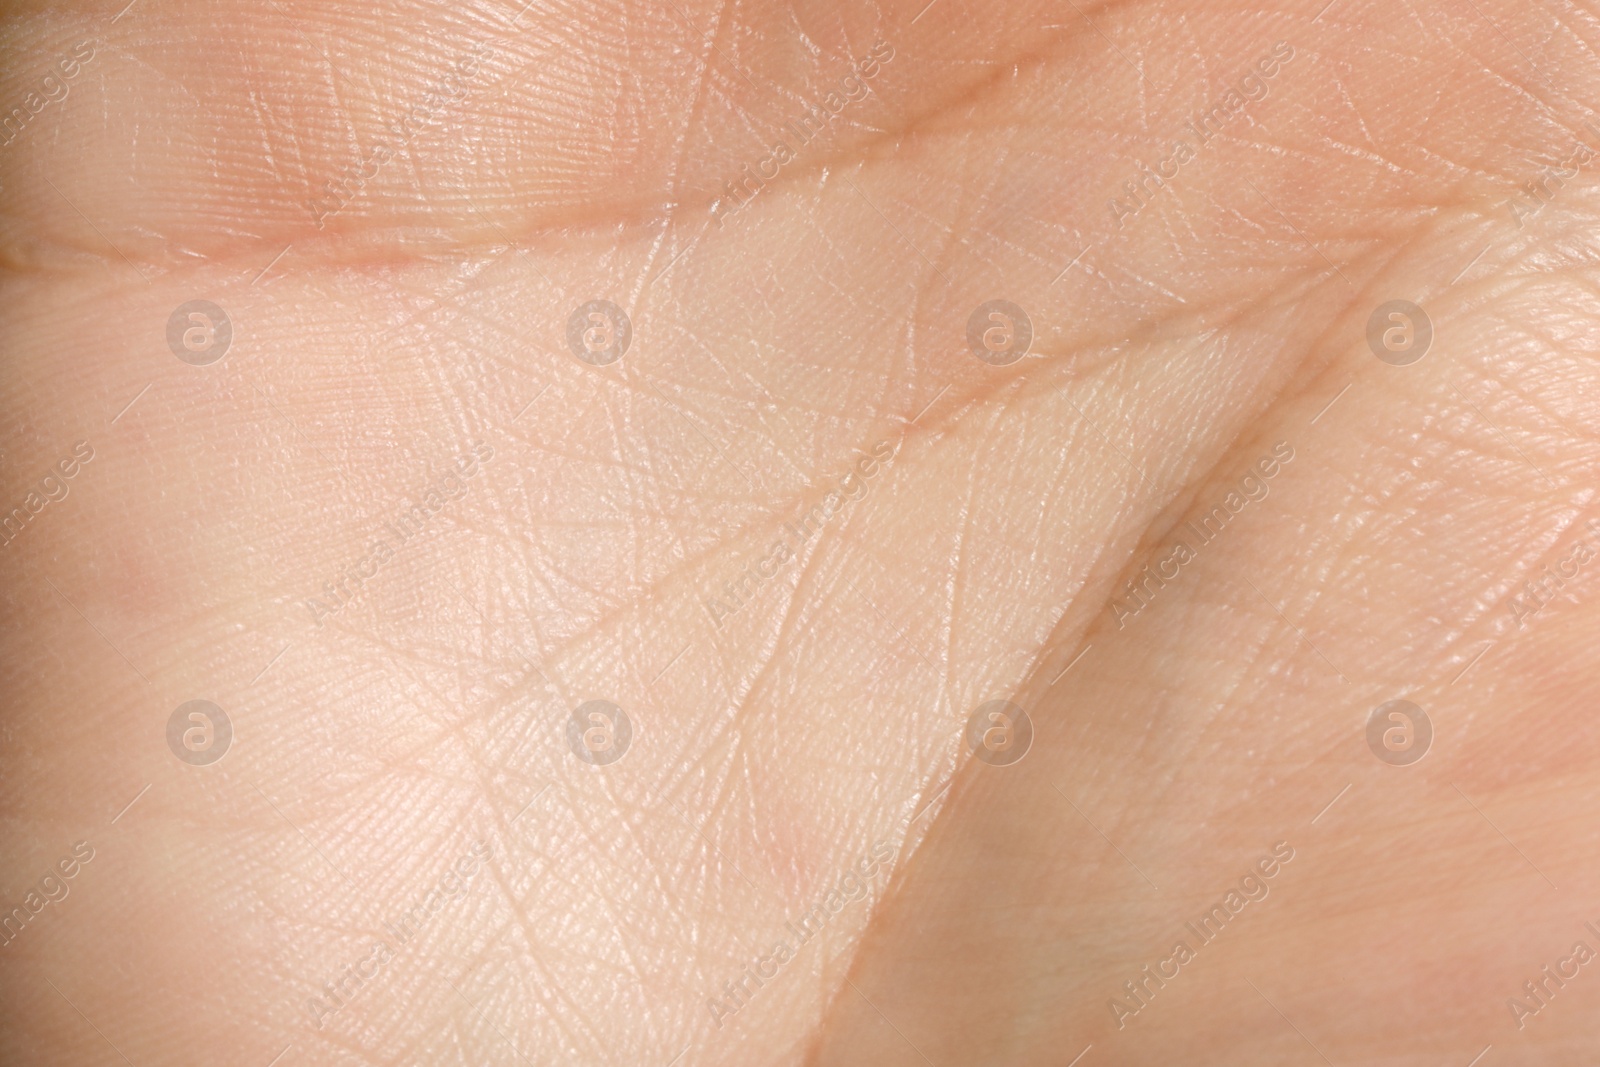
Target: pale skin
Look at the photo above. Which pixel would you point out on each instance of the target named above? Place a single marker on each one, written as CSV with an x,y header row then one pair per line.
x,y
399,531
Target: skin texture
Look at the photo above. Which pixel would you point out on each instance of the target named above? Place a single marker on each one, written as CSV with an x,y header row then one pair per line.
x,y
808,747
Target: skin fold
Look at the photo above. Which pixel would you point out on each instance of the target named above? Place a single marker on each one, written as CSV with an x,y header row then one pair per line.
x,y
799,532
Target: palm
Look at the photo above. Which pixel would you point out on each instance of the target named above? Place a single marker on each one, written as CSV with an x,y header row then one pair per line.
x,y
412,524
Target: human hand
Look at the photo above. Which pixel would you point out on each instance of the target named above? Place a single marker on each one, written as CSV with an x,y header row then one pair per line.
x,y
414,506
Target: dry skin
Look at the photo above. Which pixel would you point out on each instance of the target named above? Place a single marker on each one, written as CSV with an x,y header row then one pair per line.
x,y
798,532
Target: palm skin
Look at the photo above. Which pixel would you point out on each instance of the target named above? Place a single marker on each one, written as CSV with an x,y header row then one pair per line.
x,y
400,210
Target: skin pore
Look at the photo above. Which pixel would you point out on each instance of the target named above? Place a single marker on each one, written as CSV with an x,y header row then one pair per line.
x,y
598,708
